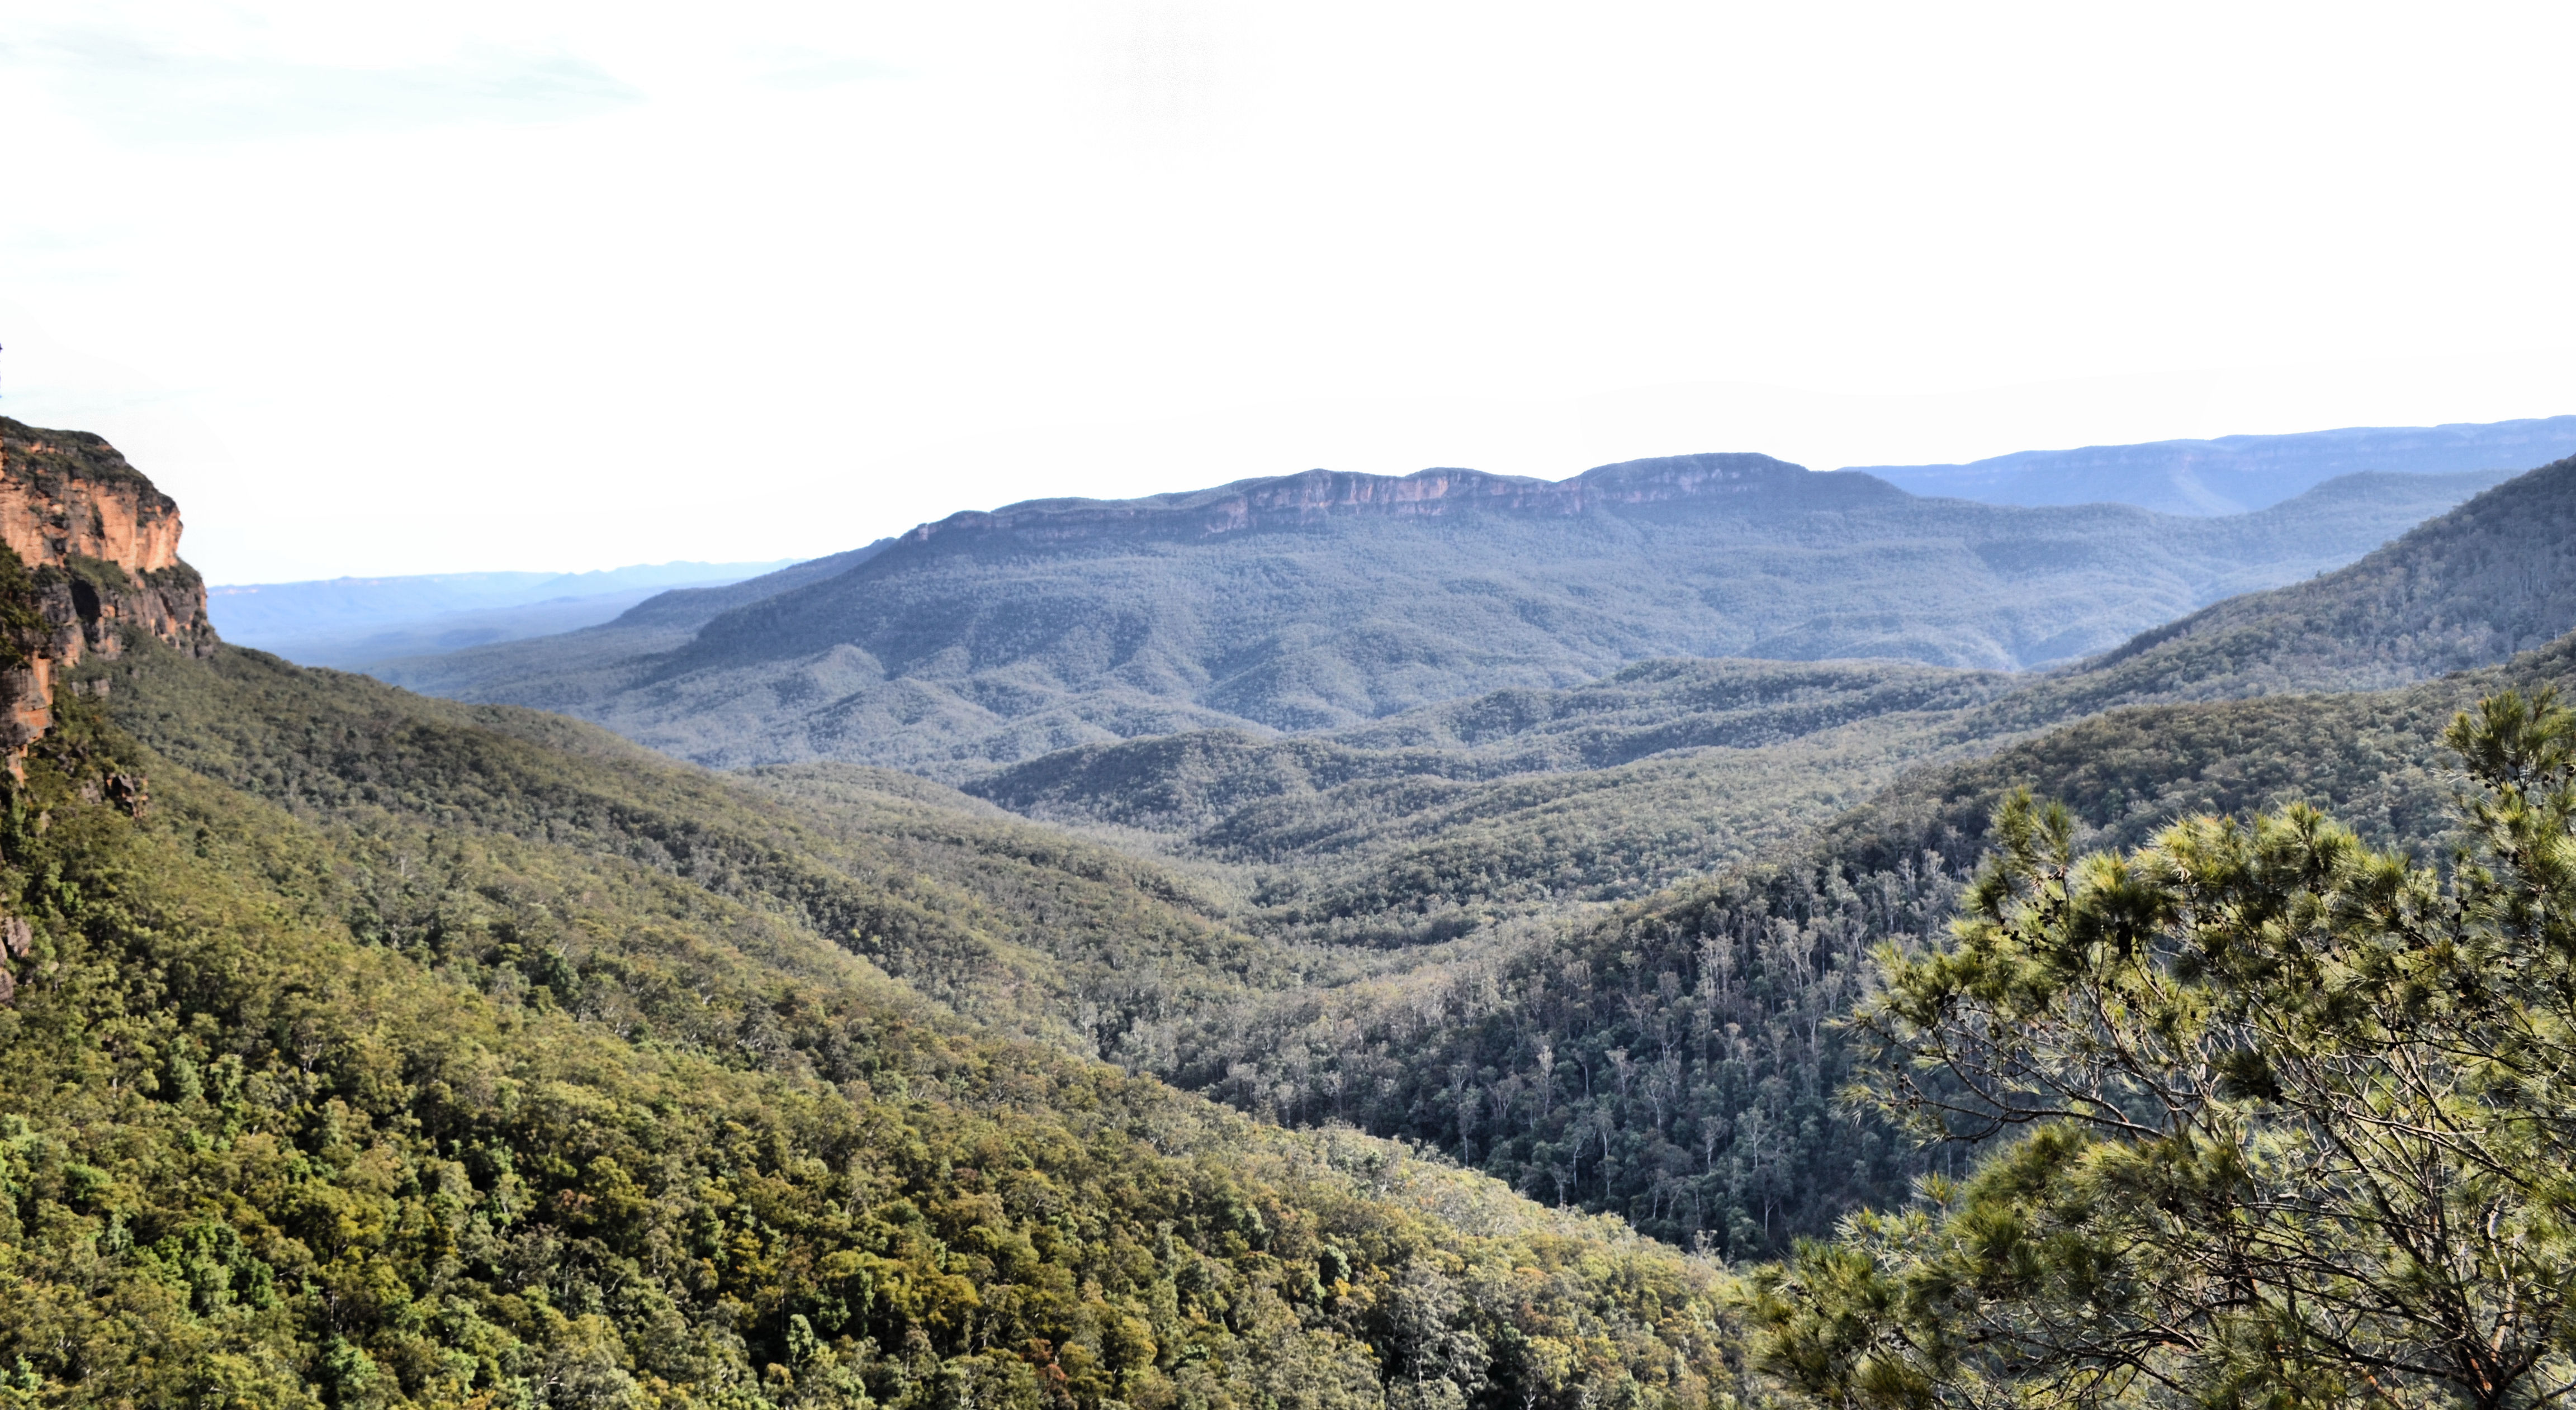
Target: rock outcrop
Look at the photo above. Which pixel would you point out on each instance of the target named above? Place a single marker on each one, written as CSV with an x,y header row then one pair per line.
x,y
1287,501
98,547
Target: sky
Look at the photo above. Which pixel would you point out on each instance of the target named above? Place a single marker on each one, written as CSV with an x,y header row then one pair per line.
x,y
380,289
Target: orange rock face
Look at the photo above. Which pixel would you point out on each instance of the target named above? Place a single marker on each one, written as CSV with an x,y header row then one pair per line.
x,y
102,546
50,518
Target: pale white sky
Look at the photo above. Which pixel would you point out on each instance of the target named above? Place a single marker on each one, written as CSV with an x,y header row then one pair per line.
x,y
380,289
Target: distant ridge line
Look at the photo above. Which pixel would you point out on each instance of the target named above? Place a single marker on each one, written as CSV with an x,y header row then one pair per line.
x,y
1314,496
2235,474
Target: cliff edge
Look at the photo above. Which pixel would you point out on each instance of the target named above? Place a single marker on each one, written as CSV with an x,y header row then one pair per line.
x,y
96,550
1317,496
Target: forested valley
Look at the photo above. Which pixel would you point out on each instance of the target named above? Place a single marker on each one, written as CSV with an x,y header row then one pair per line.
x,y
1702,1032
457,1058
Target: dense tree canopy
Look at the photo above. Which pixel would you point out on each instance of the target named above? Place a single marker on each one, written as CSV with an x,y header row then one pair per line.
x,y
443,1088
2274,1118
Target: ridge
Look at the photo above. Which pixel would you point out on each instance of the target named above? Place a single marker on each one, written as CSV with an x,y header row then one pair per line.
x,y
1314,496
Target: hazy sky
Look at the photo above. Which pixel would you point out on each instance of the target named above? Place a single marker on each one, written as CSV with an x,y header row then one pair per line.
x,y
385,289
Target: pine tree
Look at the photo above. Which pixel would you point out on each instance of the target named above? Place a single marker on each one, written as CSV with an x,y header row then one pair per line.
x,y
2271,1118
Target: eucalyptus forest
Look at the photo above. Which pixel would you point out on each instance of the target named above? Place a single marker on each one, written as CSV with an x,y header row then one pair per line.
x,y
1259,950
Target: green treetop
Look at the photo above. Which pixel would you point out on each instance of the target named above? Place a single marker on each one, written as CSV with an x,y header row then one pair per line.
x,y
2271,1118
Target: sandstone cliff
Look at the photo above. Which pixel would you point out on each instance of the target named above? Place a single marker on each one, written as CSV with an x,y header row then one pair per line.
x,y
1319,495
97,558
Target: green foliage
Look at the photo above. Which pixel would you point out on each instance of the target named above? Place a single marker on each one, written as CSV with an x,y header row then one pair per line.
x,y
23,630
1676,1065
2291,1119
1426,883
626,1083
47,458
1722,994
431,1082
1012,923
1435,823
1338,846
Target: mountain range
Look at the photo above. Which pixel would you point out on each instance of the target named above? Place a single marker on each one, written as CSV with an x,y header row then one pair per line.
x,y
1337,941
1320,601
2233,474
355,622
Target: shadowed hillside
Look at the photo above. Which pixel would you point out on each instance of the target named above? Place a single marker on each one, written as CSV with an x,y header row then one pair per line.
x,y
1677,1060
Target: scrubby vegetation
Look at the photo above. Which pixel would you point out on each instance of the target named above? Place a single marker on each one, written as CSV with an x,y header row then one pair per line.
x,y
1677,1060
436,1076
1431,823
1330,844
1390,921
386,1050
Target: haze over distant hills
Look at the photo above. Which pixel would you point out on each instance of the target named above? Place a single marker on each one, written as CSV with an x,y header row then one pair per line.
x,y
339,1003
353,622
1326,600
1518,799
2233,474
360,1049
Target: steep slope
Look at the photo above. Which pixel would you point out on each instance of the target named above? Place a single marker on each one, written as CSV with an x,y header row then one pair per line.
x,y
92,557
391,1052
1677,1060
2235,473
1018,926
366,1104
563,672
1429,823
2495,576
1321,601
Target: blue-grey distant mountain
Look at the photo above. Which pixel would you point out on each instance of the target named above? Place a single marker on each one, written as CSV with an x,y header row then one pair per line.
x,y
1419,825
351,622
1323,600
2235,474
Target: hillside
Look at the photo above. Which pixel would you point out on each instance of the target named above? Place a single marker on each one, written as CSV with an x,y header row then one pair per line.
x,y
559,672
360,1049
1323,601
367,1048
1552,1035
1676,1060
2233,474
1433,823
1734,1129
1430,823
365,1102
2493,577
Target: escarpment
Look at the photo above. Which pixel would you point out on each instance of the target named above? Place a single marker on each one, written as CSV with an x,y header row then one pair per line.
x,y
1320,496
96,561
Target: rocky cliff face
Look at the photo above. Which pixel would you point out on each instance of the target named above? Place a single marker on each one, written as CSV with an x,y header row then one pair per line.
x,y
99,550
1319,495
